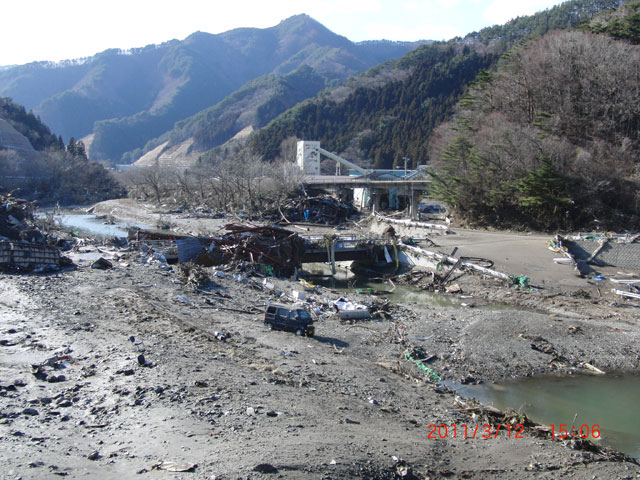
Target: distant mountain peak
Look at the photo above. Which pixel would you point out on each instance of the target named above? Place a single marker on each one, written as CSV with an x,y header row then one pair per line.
x,y
297,18
145,91
302,20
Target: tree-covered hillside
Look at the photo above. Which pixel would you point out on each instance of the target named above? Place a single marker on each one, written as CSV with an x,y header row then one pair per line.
x,y
28,125
390,111
391,121
623,23
50,172
551,140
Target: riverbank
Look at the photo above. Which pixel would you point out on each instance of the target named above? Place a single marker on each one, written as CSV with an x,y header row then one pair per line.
x,y
218,394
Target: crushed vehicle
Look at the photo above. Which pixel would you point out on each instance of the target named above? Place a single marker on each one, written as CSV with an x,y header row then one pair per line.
x,y
288,318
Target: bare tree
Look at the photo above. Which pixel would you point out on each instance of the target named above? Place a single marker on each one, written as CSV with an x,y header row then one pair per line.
x,y
147,181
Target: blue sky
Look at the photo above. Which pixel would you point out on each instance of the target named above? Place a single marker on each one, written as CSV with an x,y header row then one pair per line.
x,y
47,30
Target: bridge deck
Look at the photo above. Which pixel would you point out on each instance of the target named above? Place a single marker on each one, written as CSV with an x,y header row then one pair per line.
x,y
361,182
345,248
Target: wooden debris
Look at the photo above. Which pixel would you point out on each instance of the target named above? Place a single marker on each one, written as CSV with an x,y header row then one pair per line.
x,y
593,369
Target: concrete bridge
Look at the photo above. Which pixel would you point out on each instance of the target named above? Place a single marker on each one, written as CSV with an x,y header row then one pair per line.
x,y
412,188
372,184
342,248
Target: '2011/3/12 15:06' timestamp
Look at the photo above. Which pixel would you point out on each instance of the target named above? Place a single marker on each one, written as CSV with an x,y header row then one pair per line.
x,y
486,431
564,431
470,431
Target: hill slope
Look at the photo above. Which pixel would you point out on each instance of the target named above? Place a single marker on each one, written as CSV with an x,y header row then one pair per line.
x,y
551,140
390,111
128,98
22,129
248,108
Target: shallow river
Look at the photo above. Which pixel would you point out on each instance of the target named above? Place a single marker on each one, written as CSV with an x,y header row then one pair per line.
x,y
612,402
90,224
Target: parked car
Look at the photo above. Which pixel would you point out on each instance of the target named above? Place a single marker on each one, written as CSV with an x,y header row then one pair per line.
x,y
432,208
288,318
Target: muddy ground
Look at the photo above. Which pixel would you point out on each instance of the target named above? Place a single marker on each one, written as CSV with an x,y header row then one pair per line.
x,y
149,375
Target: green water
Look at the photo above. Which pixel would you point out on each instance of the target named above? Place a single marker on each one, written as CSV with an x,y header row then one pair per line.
x,y
399,294
347,282
610,401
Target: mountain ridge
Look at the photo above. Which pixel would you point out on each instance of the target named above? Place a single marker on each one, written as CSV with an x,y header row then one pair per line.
x,y
390,111
127,98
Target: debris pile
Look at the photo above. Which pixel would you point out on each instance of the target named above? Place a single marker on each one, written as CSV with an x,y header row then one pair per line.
x,y
159,245
16,221
276,250
435,260
433,281
23,247
194,276
272,246
324,209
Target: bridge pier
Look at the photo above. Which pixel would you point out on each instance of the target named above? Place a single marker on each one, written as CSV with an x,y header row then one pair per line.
x,y
376,196
413,207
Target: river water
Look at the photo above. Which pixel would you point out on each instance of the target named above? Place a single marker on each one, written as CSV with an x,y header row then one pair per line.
x,y
612,402
90,224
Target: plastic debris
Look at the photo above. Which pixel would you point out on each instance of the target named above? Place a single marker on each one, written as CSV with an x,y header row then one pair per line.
x,y
102,264
417,356
521,281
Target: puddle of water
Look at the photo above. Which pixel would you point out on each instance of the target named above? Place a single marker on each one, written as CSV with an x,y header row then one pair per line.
x,y
90,224
609,401
401,294
345,281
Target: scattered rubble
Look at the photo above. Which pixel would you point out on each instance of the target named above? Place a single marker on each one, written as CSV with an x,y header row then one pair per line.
x,y
324,209
176,352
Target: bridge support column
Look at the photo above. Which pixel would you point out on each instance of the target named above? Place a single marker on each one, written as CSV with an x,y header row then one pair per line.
x,y
413,208
376,201
333,256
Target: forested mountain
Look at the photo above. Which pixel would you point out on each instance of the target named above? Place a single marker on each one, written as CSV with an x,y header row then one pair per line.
x,y
36,163
551,139
28,125
128,98
252,106
390,111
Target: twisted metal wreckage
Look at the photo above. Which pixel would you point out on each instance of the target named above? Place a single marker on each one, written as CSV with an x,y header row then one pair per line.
x,y
278,251
274,247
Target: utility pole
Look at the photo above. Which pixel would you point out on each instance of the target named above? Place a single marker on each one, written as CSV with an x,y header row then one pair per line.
x,y
406,159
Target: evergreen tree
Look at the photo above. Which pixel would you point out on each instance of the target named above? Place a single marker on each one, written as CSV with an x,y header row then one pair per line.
x,y
71,147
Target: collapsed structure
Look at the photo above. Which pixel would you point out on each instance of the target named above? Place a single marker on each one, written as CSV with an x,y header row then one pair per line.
x,y
23,247
278,249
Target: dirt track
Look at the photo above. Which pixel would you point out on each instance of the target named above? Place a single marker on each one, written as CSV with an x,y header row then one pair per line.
x,y
342,404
